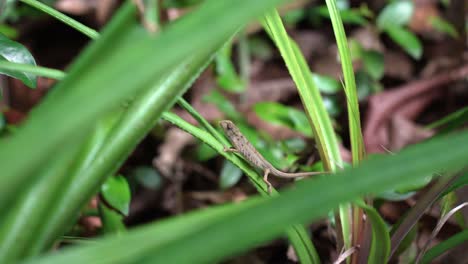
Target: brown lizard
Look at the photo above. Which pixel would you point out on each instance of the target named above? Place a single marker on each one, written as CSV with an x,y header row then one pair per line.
x,y
243,146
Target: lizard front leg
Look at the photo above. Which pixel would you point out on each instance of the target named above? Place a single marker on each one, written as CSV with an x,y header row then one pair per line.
x,y
265,179
230,149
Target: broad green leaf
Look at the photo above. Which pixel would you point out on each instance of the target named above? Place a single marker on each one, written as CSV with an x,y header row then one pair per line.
x,y
373,63
214,234
14,52
406,39
107,67
230,175
148,177
326,84
394,14
116,192
279,114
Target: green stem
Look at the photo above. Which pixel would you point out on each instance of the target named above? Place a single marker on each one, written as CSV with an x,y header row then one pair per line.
x,y
91,33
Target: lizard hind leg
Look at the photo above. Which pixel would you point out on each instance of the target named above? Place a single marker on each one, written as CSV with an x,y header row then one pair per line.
x,y
265,179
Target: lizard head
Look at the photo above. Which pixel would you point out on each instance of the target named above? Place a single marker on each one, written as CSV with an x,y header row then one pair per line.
x,y
227,125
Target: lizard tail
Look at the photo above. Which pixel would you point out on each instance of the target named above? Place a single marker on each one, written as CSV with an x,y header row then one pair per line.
x,y
294,175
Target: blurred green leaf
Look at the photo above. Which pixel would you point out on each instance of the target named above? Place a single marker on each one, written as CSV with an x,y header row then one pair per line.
x,y
223,104
396,13
148,177
179,3
112,222
227,77
373,63
260,48
205,152
392,195
14,52
450,122
406,39
279,114
326,84
9,32
460,182
294,16
230,175
294,144
366,85
416,185
332,105
443,26
353,16
116,192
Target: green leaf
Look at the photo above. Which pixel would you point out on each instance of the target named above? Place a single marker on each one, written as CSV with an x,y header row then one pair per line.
x,y
365,85
406,39
373,63
14,52
148,177
443,26
227,77
230,175
460,182
260,48
279,114
294,16
326,84
204,152
112,222
332,105
397,13
223,104
353,16
116,192
380,245
450,122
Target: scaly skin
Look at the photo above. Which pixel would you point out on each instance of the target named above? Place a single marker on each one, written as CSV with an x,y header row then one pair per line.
x,y
248,151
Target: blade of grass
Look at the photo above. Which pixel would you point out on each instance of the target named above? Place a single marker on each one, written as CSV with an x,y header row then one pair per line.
x,y
33,69
445,246
313,104
354,120
91,33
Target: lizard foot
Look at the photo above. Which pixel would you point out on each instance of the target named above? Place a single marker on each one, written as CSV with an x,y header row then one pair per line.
x,y
229,149
265,179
